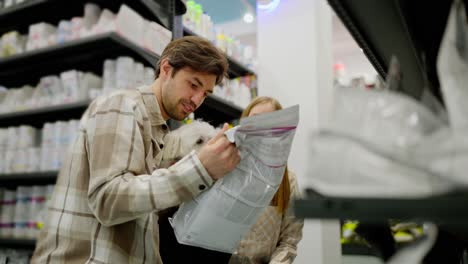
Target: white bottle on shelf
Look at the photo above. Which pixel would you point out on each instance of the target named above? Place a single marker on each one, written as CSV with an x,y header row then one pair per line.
x,y
7,213
22,208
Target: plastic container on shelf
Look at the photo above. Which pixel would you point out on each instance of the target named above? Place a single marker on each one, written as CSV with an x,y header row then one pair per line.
x,y
33,159
22,209
36,214
7,213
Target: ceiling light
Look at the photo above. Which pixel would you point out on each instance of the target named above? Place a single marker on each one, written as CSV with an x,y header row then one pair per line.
x,y
248,18
268,5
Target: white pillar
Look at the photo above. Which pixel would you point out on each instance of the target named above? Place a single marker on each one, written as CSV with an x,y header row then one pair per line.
x,y
295,66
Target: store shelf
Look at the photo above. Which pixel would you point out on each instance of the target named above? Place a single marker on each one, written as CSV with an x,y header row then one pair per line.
x,y
217,110
352,249
17,243
236,69
28,178
86,54
37,117
19,17
447,209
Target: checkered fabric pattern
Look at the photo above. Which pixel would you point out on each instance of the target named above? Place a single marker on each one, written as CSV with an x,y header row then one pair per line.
x,y
105,203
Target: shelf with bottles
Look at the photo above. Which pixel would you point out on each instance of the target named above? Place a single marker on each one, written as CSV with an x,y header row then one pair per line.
x,y
31,153
240,56
87,54
10,180
19,16
23,210
17,243
236,68
449,208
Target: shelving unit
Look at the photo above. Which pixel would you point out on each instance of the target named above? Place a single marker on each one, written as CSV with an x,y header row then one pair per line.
x,y
19,17
85,54
447,209
236,68
37,117
28,178
18,243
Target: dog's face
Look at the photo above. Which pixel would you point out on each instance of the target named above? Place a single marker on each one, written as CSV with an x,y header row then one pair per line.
x,y
182,141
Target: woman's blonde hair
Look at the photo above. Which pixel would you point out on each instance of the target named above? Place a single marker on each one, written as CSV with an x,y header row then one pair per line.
x,y
281,198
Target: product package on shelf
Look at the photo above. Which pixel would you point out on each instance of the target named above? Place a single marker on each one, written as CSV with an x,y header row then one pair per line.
x,y
239,91
127,23
40,35
12,43
196,20
75,86
154,32
23,210
24,152
131,25
218,218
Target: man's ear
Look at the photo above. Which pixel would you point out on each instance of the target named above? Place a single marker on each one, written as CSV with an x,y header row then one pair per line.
x,y
165,68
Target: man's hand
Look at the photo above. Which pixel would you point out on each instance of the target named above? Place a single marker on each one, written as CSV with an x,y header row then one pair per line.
x,y
219,156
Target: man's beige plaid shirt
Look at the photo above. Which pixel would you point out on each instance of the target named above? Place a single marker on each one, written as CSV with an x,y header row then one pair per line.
x,y
109,190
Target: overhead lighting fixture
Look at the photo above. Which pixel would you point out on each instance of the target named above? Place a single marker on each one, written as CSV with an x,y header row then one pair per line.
x,y
248,18
268,5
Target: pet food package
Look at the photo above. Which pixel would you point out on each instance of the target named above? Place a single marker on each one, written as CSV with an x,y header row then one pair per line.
x,y
219,218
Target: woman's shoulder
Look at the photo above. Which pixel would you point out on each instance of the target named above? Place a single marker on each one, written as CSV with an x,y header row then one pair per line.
x,y
293,183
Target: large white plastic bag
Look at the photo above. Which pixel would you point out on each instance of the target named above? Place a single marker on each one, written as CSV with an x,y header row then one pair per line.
x,y
342,166
452,67
219,218
386,119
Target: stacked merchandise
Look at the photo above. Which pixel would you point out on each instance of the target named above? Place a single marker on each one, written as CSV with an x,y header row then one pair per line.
x,y
95,21
24,152
15,256
23,211
240,91
75,86
196,20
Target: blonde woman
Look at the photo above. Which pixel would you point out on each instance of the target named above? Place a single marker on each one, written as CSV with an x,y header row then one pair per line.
x,y
274,237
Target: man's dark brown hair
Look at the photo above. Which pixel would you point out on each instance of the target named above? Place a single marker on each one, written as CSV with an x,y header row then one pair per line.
x,y
196,53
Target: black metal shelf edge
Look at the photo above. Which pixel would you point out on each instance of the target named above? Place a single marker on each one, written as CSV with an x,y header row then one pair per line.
x,y
236,69
444,209
224,106
22,6
351,249
16,243
86,54
28,178
37,117
83,42
44,110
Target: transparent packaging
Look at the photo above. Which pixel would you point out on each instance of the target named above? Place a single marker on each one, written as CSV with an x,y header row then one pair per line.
x,y
390,145
218,218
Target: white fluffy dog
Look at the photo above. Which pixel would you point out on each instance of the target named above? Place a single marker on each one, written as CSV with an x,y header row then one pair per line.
x,y
180,142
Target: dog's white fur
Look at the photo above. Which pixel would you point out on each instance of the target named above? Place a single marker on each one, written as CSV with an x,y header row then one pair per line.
x,y
180,142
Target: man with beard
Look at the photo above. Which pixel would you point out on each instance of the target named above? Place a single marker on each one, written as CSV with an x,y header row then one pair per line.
x,y
109,191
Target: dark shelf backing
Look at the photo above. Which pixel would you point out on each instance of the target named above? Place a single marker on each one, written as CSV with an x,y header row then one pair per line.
x,y
447,209
236,69
37,117
86,54
13,180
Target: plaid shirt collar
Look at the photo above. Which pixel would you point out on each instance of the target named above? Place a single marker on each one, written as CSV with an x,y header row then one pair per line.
x,y
152,105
